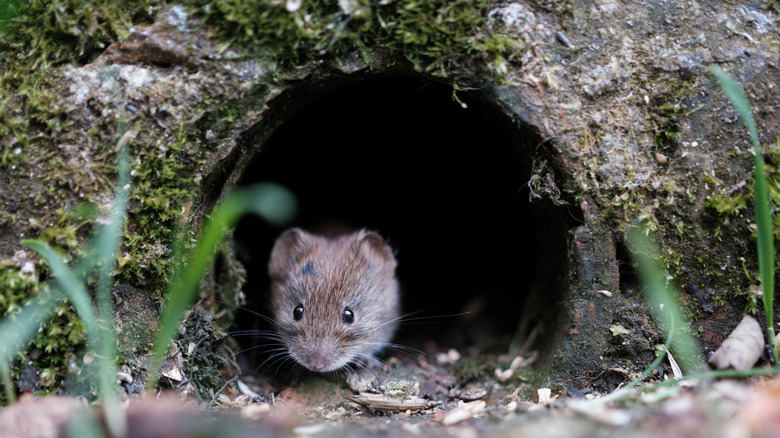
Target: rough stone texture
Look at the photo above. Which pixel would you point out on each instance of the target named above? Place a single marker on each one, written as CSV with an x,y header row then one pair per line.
x,y
630,73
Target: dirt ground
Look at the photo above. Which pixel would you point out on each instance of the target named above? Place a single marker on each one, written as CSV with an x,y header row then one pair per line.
x,y
421,397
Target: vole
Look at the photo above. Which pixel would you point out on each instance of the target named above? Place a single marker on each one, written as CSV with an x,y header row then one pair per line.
x,y
334,300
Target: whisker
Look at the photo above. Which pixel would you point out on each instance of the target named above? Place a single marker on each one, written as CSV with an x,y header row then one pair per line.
x,y
243,308
262,350
276,358
258,333
286,359
363,361
402,320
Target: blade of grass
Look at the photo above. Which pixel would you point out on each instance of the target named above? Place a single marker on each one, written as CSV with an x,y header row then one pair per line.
x,y
663,304
107,245
653,365
100,327
8,386
70,284
765,239
19,328
270,201
85,425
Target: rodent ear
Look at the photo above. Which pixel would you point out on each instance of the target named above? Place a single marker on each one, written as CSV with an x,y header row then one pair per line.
x,y
373,242
286,252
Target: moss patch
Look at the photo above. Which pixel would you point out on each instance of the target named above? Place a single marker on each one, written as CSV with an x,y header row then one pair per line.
x,y
733,200
161,184
436,36
44,365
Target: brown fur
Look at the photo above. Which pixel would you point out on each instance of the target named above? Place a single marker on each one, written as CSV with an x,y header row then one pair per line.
x,y
326,276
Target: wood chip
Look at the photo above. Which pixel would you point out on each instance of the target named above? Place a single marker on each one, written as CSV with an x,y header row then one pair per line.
x,y
449,357
503,375
463,412
742,348
174,374
544,395
382,402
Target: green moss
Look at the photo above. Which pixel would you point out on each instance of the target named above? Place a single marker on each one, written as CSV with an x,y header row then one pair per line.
x,y
17,288
161,183
667,115
401,388
563,7
436,36
52,32
49,350
40,36
52,348
733,200
772,168
727,204
751,299
724,200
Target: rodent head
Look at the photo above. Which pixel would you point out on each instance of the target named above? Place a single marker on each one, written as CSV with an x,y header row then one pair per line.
x,y
334,300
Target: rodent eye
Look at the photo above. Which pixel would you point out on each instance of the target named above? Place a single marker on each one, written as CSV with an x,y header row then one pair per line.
x,y
298,312
348,316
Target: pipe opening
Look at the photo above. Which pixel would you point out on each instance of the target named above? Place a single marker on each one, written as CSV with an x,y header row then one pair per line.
x,y
478,264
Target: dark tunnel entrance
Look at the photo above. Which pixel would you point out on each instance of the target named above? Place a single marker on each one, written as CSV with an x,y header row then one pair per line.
x,y
445,183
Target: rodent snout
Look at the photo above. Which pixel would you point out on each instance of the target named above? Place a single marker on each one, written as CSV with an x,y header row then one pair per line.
x,y
320,355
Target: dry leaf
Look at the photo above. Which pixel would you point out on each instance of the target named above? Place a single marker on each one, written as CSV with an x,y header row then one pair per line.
x,y
742,348
384,402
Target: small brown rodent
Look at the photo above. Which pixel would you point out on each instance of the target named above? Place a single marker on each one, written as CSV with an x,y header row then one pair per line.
x,y
334,300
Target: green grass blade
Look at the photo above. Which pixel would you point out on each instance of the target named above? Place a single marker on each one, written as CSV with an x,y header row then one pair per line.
x,y
19,328
100,326
107,244
70,284
765,239
274,203
8,385
737,96
663,304
85,425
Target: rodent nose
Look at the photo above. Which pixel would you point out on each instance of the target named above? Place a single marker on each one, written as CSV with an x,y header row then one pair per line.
x,y
318,360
